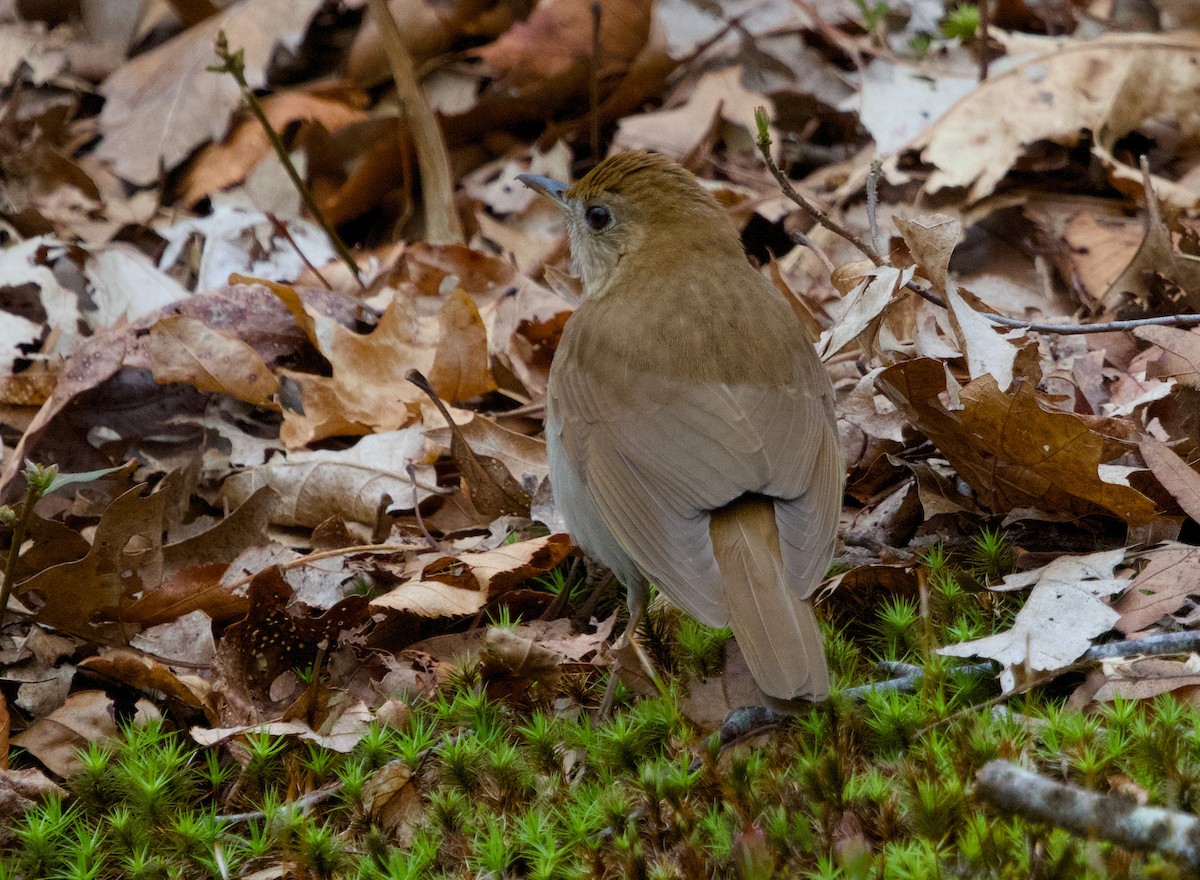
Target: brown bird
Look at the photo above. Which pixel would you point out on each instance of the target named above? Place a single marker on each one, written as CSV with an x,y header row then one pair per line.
x,y
689,422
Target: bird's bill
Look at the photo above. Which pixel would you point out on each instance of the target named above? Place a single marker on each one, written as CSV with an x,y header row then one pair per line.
x,y
547,186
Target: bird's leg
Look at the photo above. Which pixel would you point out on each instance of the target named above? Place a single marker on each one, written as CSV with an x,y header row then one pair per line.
x,y
637,597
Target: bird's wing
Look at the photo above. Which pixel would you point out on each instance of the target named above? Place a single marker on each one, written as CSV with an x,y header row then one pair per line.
x,y
659,454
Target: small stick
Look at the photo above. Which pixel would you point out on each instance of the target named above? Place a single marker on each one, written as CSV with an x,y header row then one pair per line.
x,y
594,83
764,147
908,676
311,799
281,229
433,542
1014,790
441,217
873,201
984,24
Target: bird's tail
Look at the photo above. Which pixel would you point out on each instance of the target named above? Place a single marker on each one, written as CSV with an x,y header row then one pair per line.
x,y
776,630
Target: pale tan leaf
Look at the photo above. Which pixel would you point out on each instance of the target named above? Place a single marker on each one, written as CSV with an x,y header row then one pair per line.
x,y
460,368
187,350
931,240
1175,475
1063,613
164,103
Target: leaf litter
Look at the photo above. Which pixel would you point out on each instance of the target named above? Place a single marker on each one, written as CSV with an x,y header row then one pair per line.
x,y
297,506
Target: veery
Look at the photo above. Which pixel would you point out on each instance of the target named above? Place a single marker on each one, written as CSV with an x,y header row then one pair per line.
x,y
689,422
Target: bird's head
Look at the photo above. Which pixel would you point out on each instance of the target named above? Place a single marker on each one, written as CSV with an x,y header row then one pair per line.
x,y
635,207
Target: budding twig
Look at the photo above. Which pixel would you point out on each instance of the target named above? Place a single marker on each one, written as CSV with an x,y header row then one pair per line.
x,y
234,64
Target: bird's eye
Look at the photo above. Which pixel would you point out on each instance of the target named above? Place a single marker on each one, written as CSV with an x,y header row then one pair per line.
x,y
597,217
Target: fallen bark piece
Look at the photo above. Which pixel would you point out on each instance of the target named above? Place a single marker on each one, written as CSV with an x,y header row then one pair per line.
x,y
1011,789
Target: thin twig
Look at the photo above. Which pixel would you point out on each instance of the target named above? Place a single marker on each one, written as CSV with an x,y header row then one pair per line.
x,y
1014,790
873,201
309,800
433,542
281,229
234,64
1151,646
20,527
764,147
442,223
984,25
594,83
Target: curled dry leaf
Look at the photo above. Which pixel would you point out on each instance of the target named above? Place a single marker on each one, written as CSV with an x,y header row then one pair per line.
x,y
456,586
1175,475
187,350
367,392
1180,359
314,486
862,308
523,456
931,241
1163,587
460,368
142,673
1108,87
491,487
341,731
1014,449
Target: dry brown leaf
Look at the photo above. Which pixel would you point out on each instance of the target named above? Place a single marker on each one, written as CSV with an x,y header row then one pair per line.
x,y
862,307
523,456
1098,249
223,164
313,486
1063,613
393,800
136,670
1108,87
1156,265
20,790
341,732
460,368
187,350
125,558
1141,679
1175,475
164,103
1170,577
457,586
988,353
86,717
679,130
492,488
931,240
554,45
367,392
1181,353
1014,449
